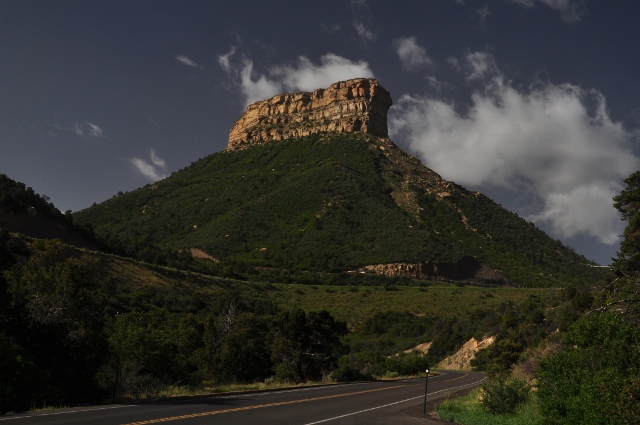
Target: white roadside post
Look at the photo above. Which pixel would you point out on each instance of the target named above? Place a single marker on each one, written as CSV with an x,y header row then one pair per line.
x,y
426,383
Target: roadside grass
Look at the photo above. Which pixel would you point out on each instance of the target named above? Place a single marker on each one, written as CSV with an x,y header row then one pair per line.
x,y
43,408
210,387
207,387
393,376
468,411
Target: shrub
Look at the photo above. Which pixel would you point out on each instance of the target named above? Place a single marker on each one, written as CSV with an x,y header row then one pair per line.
x,y
504,395
404,364
345,373
595,378
285,373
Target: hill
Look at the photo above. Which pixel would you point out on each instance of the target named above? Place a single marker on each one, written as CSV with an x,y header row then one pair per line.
x,y
24,211
74,323
332,202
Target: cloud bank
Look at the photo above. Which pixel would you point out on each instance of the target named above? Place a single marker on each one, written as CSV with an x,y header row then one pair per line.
x,y
154,170
303,75
554,143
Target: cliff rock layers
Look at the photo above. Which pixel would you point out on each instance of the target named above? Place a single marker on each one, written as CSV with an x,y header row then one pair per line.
x,y
358,105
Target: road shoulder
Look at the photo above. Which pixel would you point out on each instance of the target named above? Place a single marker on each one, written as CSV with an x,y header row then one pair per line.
x,y
431,418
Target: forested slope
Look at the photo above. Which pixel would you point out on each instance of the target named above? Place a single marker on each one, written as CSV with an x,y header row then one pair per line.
x,y
327,203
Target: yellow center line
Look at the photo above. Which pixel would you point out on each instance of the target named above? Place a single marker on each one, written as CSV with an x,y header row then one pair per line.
x,y
260,406
453,379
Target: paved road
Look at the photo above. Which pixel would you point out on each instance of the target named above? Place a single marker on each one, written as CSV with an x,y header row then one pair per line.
x,y
361,403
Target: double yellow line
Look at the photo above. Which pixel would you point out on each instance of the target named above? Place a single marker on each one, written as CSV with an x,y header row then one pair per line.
x,y
260,406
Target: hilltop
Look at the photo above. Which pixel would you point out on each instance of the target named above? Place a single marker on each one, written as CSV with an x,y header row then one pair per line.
x,y
331,201
358,105
24,211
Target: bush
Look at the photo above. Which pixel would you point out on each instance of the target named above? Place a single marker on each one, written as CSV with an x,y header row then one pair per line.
x,y
504,395
404,364
285,373
345,373
595,378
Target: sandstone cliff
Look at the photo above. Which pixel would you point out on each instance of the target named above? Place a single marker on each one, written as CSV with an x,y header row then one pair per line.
x,y
358,105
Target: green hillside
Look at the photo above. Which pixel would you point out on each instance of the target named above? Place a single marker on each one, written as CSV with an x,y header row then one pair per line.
x,y
24,211
71,318
328,203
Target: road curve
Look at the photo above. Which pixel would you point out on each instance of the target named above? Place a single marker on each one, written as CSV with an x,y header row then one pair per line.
x,y
368,402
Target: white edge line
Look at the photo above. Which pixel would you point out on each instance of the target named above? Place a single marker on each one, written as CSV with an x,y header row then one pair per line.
x,y
241,395
65,412
390,404
310,388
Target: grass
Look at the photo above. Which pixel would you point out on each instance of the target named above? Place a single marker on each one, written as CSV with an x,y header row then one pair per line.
x,y
210,388
441,301
153,392
468,411
213,388
35,408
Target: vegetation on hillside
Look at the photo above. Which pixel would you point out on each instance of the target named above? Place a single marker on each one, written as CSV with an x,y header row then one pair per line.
x,y
589,371
17,198
325,203
76,328
79,326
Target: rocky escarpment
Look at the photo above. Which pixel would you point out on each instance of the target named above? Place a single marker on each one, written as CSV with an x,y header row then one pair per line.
x,y
358,105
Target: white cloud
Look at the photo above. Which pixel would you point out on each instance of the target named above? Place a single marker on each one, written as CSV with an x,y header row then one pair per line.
x,y
87,129
154,171
308,76
157,161
568,158
483,14
224,60
570,10
363,32
304,75
480,65
412,55
331,29
77,128
258,89
185,60
94,130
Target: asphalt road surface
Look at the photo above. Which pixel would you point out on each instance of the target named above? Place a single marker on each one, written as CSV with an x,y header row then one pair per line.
x,y
359,403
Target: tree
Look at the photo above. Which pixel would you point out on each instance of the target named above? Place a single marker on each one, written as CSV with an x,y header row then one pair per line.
x,y
58,298
18,377
628,203
306,347
626,286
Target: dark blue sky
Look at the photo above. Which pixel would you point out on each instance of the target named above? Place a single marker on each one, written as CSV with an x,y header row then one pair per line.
x,y
533,102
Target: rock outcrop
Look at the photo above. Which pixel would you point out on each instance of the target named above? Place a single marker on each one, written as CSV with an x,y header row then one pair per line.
x,y
466,270
461,360
358,105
